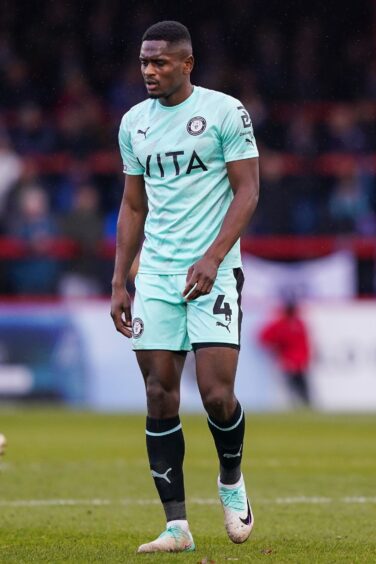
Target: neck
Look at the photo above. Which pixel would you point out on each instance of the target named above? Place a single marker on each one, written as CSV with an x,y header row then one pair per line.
x,y
178,96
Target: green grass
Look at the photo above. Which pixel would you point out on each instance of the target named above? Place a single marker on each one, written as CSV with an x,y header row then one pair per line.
x,y
289,459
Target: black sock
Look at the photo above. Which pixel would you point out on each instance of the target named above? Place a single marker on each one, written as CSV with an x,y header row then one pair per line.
x,y
228,437
165,446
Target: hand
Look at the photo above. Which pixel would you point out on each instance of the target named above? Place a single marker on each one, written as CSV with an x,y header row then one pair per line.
x,y
200,278
121,311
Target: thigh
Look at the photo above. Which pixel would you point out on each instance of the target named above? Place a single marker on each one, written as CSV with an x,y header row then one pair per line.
x,y
159,315
215,319
216,371
165,367
161,371
216,366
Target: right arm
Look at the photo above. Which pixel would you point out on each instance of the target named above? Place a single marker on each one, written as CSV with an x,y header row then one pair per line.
x,y
130,232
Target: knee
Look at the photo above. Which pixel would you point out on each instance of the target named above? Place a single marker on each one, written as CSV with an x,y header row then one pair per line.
x,y
219,404
162,402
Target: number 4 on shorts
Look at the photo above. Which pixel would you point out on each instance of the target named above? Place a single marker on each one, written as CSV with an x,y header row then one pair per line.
x,y
218,309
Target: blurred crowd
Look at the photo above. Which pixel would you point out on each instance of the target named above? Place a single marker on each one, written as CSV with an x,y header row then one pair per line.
x,y
68,72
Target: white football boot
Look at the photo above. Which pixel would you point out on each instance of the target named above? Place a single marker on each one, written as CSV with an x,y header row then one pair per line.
x,y
176,538
238,513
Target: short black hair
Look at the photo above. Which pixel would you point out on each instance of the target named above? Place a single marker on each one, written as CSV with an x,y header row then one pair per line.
x,y
170,31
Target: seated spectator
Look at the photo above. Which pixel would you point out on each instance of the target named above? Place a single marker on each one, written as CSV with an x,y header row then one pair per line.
x,y
17,87
76,173
81,123
80,129
32,134
343,131
301,135
84,224
273,213
35,226
349,206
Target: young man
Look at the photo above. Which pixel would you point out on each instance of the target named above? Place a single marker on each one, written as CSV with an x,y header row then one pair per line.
x,y
191,187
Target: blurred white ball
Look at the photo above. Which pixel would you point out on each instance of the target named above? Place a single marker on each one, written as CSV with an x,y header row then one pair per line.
x,y
3,443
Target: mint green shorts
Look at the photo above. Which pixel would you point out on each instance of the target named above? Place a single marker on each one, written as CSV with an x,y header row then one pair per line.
x,y
162,319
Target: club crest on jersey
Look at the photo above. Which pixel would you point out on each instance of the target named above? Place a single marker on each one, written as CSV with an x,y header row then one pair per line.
x,y
196,125
137,327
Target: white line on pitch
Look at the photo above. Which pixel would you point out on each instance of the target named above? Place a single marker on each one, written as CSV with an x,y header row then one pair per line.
x,y
194,501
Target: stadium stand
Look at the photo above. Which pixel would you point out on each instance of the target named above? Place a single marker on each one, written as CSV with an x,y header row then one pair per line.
x,y
309,86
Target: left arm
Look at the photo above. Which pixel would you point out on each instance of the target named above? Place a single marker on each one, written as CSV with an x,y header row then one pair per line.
x,y
244,180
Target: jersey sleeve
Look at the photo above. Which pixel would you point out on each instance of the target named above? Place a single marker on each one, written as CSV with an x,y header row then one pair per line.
x,y
238,140
130,163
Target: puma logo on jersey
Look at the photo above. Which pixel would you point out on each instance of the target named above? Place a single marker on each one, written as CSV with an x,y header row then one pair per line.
x,y
163,476
143,132
223,325
229,455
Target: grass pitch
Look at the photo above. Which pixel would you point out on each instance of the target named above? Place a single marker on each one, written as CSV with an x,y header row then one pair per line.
x,y
75,487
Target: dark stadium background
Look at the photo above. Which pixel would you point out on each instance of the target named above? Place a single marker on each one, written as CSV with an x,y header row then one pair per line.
x,y
69,70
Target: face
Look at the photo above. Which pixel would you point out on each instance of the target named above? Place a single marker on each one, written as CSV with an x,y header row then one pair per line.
x,y
165,67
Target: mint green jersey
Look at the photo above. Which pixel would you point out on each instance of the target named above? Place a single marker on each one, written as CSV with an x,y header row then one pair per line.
x,y
182,152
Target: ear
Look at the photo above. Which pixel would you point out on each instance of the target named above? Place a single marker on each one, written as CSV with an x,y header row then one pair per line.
x,y
188,64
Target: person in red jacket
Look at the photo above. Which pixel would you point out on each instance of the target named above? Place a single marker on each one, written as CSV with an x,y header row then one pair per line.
x,y
287,337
